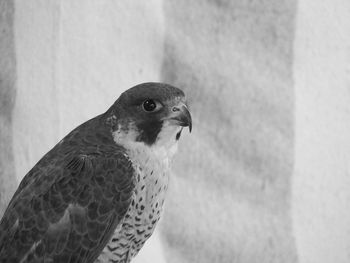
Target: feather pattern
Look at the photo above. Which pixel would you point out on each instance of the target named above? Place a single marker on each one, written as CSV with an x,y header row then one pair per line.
x,y
98,194
68,205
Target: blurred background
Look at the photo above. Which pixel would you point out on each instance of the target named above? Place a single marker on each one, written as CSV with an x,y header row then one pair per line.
x,y
264,176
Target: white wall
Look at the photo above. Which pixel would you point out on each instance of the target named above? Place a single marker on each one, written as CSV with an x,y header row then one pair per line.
x,y
321,182
230,198
74,58
8,182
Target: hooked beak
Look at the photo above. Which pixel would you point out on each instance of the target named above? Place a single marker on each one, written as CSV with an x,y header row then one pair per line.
x,y
181,116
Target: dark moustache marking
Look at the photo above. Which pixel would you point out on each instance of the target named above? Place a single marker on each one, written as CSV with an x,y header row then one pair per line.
x,y
149,131
178,135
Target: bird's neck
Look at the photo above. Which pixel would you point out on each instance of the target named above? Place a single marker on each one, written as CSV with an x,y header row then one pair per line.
x,y
158,154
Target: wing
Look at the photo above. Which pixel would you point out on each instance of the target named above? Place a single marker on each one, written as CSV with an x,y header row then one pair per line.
x,y
67,208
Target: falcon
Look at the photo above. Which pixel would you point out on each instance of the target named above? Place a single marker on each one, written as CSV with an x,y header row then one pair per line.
x,y
98,194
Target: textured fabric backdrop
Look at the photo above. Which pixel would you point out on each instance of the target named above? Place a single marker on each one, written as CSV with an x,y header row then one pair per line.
x,y
264,176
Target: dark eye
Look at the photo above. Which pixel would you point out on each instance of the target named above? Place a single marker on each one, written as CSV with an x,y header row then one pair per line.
x,y
150,105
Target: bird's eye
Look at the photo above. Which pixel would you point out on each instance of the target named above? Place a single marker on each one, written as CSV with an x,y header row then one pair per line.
x,y
151,105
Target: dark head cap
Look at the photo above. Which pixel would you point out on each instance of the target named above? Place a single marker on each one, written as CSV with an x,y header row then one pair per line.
x,y
147,107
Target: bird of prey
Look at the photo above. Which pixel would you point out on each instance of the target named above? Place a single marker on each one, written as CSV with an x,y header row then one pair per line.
x,y
98,194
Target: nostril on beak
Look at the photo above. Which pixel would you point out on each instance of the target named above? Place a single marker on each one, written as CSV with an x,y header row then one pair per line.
x,y
175,109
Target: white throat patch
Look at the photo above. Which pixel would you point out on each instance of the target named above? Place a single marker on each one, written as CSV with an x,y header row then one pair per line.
x,y
161,152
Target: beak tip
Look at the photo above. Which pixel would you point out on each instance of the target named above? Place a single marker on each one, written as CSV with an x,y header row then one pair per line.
x,y
182,116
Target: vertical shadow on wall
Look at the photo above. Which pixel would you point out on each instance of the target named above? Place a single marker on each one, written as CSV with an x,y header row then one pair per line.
x,y
7,99
229,200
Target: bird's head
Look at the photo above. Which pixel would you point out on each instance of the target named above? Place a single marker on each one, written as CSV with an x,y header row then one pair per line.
x,y
150,113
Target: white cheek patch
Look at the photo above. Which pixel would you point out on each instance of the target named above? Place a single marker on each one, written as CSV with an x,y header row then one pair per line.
x,y
124,137
162,150
167,135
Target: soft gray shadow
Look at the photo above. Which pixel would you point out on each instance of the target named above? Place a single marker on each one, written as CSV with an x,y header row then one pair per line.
x,y
229,200
7,99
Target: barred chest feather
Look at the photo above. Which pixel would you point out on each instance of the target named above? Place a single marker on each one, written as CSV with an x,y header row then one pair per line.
x,y
151,165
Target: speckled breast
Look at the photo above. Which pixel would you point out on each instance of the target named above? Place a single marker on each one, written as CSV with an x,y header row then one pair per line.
x,y
141,217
